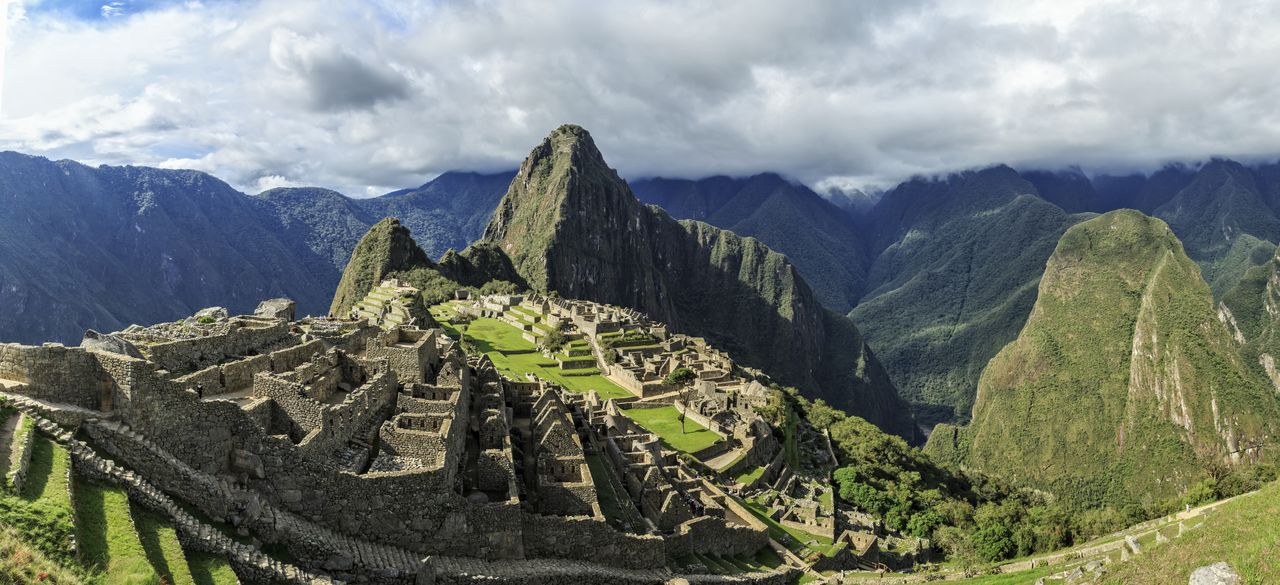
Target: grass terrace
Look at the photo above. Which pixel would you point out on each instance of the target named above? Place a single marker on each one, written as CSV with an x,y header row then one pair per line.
x,y
160,541
211,569
106,537
41,515
665,422
514,356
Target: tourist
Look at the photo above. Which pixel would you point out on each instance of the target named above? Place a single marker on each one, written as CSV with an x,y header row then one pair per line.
x,y
200,391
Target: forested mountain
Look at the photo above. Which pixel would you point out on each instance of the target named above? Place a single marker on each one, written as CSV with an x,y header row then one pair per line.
x,y
954,273
1123,387
570,224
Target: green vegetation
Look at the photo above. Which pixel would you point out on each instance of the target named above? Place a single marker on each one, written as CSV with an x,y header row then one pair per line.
x,y
798,541
665,421
955,263
1064,408
164,552
106,537
750,475
1242,532
514,357
1223,219
41,515
20,563
616,505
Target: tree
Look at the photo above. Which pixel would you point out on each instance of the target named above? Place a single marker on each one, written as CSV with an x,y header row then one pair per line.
x,y
554,340
683,379
823,415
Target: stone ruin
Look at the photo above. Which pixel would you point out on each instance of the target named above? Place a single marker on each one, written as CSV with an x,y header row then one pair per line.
x,y
372,453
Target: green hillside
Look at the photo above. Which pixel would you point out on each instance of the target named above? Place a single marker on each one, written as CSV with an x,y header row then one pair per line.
x,y
1123,385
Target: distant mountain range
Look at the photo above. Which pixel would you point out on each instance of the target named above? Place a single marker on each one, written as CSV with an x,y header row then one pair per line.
x,y
939,274
84,247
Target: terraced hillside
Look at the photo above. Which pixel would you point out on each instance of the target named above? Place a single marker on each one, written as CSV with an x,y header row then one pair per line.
x,y
73,530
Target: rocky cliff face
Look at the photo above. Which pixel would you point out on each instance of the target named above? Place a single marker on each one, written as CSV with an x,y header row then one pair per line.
x,y
570,224
1124,384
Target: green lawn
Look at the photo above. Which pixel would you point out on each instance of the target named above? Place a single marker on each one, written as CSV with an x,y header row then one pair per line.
x,y
211,569
665,422
514,357
106,536
164,551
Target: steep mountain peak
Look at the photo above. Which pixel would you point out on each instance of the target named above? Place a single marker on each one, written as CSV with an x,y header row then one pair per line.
x,y
570,224
385,249
563,195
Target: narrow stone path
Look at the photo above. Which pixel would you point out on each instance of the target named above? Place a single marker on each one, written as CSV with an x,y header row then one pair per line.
x,y
7,430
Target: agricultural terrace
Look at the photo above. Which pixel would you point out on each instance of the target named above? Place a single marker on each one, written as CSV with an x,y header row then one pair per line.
x,y
515,356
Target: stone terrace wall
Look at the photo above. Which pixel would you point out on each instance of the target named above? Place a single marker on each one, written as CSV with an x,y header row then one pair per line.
x,y
290,358
201,352
55,373
357,411
588,539
18,472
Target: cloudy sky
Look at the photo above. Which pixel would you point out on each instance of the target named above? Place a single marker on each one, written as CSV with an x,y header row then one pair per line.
x,y
366,96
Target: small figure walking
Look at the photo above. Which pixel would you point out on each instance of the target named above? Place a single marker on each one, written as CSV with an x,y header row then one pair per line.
x,y
200,391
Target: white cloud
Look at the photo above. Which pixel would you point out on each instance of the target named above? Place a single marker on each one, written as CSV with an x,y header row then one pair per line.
x,y
361,95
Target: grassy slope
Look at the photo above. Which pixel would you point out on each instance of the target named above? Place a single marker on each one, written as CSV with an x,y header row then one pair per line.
x,y
21,563
1244,533
211,569
106,537
665,422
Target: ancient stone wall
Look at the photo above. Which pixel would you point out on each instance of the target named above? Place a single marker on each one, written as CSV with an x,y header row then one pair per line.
x,y
707,535
411,353
185,355
290,358
357,410
55,373
25,435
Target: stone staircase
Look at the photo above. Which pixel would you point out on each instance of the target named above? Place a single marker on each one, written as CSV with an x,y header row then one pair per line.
x,y
384,559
